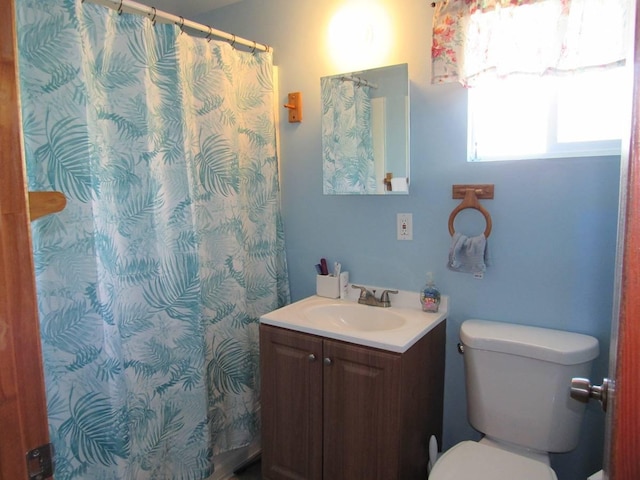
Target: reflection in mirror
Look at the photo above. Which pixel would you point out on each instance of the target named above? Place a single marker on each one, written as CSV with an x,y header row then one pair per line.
x,y
365,132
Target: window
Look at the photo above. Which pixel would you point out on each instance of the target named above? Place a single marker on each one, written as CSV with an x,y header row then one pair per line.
x,y
548,117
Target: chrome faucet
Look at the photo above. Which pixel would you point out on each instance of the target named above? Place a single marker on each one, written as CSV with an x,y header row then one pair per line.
x,y
369,298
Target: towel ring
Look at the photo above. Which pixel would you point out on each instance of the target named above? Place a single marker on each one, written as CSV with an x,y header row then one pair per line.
x,y
470,201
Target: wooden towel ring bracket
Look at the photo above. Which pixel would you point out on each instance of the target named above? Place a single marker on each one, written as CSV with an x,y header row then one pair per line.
x,y
470,195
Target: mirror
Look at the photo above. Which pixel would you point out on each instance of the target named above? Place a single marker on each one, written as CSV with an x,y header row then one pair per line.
x,y
365,132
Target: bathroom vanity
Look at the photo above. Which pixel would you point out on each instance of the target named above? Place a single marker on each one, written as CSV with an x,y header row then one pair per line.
x,y
336,408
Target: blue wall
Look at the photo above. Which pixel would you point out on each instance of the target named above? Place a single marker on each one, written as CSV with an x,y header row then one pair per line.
x,y
554,221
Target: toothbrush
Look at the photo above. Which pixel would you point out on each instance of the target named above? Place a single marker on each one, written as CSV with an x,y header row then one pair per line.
x,y
323,266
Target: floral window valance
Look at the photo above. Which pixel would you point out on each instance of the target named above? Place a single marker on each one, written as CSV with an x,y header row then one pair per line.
x,y
476,39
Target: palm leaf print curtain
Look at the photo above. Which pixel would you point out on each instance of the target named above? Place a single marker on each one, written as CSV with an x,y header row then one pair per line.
x,y
152,280
347,142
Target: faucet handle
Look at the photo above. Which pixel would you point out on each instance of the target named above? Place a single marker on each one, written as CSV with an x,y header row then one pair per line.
x,y
363,290
385,295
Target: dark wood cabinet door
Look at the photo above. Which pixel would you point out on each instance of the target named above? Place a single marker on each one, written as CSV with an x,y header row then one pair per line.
x,y
291,396
361,417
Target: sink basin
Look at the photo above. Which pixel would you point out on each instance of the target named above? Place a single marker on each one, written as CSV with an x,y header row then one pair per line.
x,y
355,317
394,329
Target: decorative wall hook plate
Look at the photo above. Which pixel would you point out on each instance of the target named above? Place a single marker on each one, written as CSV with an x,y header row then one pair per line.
x,y
295,107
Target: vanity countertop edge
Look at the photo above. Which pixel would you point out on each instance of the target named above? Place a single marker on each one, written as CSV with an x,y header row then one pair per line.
x,y
399,340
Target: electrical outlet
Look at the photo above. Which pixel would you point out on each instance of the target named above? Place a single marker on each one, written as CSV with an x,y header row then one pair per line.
x,y
405,226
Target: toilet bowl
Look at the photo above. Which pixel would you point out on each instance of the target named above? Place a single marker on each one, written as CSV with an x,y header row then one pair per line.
x,y
517,381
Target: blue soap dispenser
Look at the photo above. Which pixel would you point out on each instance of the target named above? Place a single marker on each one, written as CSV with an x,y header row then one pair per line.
x,y
430,295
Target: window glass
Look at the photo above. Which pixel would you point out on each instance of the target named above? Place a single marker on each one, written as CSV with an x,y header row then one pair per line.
x,y
589,106
547,117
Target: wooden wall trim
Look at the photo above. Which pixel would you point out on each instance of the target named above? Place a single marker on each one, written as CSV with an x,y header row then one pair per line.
x,y
625,441
23,413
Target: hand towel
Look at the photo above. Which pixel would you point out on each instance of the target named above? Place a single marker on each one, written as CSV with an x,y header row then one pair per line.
x,y
468,254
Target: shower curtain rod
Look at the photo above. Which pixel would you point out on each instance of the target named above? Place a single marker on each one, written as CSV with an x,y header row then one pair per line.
x,y
154,14
359,81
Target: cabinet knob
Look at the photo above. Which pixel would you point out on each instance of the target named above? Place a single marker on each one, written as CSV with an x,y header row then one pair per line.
x,y
312,357
327,361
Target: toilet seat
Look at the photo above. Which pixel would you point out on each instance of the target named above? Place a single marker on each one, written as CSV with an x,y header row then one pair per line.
x,y
477,461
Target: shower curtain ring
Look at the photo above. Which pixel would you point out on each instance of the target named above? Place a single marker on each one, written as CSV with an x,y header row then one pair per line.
x,y
120,8
233,42
181,25
208,37
253,50
153,19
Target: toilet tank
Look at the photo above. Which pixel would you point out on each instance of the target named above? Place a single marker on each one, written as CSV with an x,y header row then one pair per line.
x,y
518,380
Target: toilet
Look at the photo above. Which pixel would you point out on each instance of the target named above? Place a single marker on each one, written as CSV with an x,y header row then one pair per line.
x,y
517,381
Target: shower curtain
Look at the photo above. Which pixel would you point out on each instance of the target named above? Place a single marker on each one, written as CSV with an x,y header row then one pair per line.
x,y
152,280
347,141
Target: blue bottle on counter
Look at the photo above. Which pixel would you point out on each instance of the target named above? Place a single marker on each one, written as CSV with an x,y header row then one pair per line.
x,y
430,295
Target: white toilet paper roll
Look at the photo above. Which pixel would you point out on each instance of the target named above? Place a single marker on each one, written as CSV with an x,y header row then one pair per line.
x,y
399,184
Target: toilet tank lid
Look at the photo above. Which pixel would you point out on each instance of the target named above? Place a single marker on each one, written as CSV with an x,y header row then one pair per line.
x,y
556,346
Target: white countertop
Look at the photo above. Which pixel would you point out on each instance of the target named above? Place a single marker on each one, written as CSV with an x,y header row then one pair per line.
x,y
405,304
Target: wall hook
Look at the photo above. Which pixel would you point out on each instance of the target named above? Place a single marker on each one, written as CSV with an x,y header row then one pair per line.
x,y
45,203
295,107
